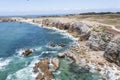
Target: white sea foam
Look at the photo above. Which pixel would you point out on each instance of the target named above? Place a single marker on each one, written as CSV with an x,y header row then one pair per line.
x,y
56,47
19,51
47,52
106,71
25,73
57,72
62,32
4,62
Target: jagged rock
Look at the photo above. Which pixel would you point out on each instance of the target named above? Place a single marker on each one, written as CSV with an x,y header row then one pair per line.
x,y
35,69
82,29
57,24
27,52
72,57
52,45
99,40
45,22
44,69
61,44
61,55
97,69
55,63
112,51
40,77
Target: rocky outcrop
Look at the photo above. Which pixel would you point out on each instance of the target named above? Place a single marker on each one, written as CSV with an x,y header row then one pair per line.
x,y
61,44
61,55
112,51
45,68
82,29
99,40
72,57
55,63
7,20
57,24
27,52
52,44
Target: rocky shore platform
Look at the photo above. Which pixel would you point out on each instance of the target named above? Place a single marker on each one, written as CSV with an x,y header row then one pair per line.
x,y
98,47
45,67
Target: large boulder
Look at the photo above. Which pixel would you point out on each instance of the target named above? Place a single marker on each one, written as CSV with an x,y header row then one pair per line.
x,y
99,40
45,67
52,44
61,55
72,57
82,29
61,44
112,51
27,52
55,63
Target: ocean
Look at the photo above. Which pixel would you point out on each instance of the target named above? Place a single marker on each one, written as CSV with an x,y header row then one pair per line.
x,y
18,36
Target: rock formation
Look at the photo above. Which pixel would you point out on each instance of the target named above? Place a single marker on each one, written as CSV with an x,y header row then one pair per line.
x,y
7,20
82,29
99,40
61,55
61,44
52,44
72,57
45,68
27,52
112,51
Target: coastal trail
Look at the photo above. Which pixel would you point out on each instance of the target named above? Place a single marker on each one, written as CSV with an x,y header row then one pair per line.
x,y
93,23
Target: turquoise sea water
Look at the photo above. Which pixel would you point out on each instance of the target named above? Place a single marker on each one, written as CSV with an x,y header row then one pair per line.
x,y
15,37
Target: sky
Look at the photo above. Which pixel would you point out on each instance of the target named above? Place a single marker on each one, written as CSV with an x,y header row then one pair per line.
x,y
24,7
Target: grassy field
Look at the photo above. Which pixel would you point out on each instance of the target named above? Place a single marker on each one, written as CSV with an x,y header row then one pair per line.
x,y
112,19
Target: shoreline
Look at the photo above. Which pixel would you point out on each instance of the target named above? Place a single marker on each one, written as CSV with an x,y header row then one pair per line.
x,y
103,68
93,59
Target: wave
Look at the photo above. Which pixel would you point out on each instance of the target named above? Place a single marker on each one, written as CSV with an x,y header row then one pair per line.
x,y
20,51
53,48
25,73
4,62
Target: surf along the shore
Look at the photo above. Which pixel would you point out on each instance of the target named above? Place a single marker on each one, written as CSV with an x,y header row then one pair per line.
x,y
90,56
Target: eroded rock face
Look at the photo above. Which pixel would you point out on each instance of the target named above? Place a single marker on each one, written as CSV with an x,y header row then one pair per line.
x,y
45,68
52,45
112,51
57,24
99,40
82,29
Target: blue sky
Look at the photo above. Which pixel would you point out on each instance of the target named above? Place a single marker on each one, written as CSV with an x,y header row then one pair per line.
x,y
9,7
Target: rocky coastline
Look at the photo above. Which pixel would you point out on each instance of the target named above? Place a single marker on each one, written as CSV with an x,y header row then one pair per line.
x,y
98,48
92,49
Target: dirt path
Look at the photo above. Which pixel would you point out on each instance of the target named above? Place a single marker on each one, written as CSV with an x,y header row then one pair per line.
x,y
93,23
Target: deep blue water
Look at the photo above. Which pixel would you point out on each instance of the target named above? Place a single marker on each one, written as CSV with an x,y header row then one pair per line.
x,y
16,36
